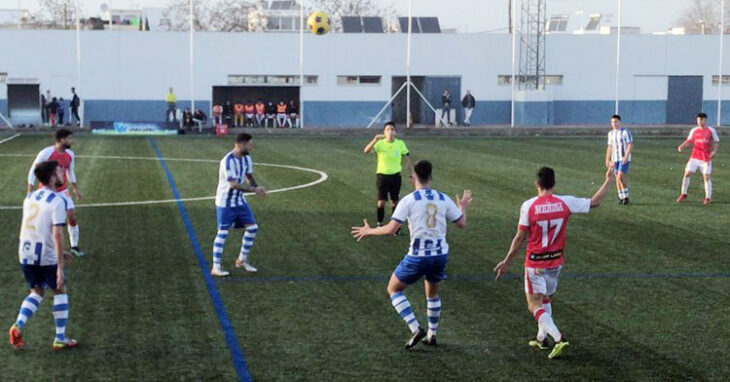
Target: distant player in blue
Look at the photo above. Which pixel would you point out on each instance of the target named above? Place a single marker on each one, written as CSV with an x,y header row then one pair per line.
x,y
42,256
231,207
428,213
618,156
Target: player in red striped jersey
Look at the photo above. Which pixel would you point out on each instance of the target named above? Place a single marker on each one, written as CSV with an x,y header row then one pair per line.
x,y
543,224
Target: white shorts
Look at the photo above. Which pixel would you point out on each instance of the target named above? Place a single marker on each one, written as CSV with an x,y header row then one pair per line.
x,y
543,281
694,164
67,197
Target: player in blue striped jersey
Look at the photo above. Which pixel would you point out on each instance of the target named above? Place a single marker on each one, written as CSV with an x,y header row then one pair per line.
x,y
232,210
428,212
618,156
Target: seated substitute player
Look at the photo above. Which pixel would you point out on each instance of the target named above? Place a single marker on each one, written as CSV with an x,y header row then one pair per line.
x,y
232,210
42,256
61,153
543,224
428,213
390,152
705,142
618,156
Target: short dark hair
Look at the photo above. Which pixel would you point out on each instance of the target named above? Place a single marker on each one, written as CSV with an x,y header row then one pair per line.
x,y
391,123
243,137
702,115
616,116
423,169
63,133
45,170
546,178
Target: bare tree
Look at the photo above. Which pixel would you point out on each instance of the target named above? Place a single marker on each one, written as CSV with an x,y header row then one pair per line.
x,y
54,14
222,15
702,17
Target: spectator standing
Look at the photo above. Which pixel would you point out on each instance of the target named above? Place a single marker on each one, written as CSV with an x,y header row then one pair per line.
x,y
270,114
75,103
238,114
293,114
44,108
171,101
468,103
217,114
62,104
52,109
446,106
260,113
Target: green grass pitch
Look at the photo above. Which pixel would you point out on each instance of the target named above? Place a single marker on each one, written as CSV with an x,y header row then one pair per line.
x,y
630,300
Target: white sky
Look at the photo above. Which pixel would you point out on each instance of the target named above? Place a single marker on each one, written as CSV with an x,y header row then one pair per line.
x,y
468,15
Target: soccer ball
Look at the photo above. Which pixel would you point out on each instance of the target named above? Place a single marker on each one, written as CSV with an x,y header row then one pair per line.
x,y
319,23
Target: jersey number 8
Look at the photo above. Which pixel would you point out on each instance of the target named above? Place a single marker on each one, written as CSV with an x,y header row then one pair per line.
x,y
431,212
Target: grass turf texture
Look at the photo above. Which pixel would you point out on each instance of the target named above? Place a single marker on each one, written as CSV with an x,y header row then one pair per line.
x,y
141,310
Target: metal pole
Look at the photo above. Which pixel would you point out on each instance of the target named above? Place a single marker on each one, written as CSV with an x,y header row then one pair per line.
x,y
408,64
720,82
514,59
192,60
110,15
386,105
301,64
20,16
618,55
78,57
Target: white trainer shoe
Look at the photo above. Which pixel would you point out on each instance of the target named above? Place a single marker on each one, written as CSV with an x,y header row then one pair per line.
x,y
219,272
248,267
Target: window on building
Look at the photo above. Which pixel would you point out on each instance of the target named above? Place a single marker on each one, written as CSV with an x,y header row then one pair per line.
x,y
506,80
358,80
594,22
557,23
725,80
272,80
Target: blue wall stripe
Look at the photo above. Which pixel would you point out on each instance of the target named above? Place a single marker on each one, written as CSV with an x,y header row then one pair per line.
x,y
239,362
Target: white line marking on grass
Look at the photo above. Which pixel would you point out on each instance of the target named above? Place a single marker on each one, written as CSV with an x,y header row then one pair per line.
x,y
9,138
322,177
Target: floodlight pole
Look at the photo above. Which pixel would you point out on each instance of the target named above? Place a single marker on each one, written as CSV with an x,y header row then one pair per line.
x,y
514,59
618,56
192,60
408,64
720,82
78,58
110,15
301,64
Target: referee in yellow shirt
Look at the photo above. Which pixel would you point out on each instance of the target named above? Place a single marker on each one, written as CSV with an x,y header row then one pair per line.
x,y
391,153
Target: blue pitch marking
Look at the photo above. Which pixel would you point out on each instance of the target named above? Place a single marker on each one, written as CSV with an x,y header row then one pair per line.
x,y
239,362
476,277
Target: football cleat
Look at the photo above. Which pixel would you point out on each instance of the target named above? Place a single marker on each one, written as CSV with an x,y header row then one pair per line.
x,y
248,267
558,348
707,201
542,345
626,201
16,338
681,198
415,338
67,344
76,251
219,272
430,341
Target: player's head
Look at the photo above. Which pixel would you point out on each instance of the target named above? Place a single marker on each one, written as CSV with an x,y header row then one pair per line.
x,y
615,121
244,142
63,137
701,119
422,172
389,130
545,179
48,173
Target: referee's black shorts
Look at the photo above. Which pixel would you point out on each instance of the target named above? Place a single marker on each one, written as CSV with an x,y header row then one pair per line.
x,y
388,185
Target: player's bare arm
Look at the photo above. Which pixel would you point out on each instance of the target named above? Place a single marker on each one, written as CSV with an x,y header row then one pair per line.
x,y
369,147
629,149
609,149
408,164
715,146
603,190
60,256
260,191
683,145
463,202
365,230
517,243
238,186
77,191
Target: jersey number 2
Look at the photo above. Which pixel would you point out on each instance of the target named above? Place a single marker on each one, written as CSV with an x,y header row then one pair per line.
x,y
545,226
33,208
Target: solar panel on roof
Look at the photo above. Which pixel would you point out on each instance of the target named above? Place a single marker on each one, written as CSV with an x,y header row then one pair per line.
x,y
372,24
403,21
351,24
429,24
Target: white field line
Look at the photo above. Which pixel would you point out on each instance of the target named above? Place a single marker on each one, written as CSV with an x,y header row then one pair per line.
x,y
322,177
9,138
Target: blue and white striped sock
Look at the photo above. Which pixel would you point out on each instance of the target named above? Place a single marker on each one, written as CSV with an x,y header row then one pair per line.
x,y
403,307
29,306
433,311
626,192
218,243
60,315
247,241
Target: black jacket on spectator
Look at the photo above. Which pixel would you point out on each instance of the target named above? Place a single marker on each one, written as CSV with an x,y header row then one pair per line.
x,y
75,101
199,115
468,102
187,119
446,100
